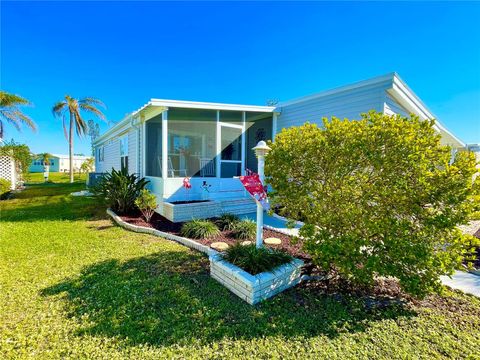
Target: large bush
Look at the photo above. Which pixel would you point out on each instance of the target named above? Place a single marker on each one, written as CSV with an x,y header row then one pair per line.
x,y
378,196
119,189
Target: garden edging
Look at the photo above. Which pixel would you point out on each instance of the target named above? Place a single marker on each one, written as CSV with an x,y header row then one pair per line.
x,y
250,288
141,229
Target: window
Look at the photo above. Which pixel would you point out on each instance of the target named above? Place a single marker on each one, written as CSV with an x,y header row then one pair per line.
x,y
191,142
52,162
153,155
231,151
124,152
100,153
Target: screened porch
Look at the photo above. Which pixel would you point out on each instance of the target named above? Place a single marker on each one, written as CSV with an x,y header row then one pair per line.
x,y
210,146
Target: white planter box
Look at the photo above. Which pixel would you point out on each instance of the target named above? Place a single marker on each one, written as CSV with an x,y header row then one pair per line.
x,y
255,288
187,212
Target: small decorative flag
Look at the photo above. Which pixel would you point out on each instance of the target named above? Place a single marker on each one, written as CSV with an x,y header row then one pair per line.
x,y
186,183
254,186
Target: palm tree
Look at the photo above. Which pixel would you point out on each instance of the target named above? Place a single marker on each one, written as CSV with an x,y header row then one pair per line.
x,y
45,159
73,108
10,112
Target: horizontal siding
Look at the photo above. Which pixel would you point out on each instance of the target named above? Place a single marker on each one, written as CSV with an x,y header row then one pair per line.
x,y
111,156
132,151
346,104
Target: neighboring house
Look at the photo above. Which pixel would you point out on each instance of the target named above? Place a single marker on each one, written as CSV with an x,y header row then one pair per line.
x,y
168,140
58,163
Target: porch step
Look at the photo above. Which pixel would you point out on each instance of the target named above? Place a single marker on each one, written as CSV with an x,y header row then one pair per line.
x,y
238,206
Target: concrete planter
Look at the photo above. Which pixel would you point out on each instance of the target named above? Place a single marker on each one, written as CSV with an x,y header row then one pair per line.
x,y
255,288
187,212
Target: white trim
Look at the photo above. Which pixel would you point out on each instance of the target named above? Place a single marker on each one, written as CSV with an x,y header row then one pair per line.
x,y
274,126
165,144
218,146
408,99
244,144
231,161
144,149
210,105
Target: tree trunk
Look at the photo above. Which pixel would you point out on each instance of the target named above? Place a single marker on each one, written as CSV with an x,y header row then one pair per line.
x,y
70,150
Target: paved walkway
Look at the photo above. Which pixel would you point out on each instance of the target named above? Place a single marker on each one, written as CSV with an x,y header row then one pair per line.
x,y
274,222
466,282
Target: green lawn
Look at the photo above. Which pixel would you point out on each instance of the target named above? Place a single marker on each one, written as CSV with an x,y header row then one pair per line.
x,y
72,285
55,177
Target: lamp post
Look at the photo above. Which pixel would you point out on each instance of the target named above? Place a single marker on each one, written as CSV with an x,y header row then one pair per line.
x,y
261,150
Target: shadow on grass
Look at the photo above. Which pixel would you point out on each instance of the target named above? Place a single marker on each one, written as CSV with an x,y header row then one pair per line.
x,y
168,298
51,202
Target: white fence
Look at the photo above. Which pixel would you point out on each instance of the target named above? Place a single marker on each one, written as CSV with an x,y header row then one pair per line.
x,y
7,170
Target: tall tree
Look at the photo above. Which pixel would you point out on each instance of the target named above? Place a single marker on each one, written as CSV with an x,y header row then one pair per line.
x,y
10,112
44,158
93,132
73,108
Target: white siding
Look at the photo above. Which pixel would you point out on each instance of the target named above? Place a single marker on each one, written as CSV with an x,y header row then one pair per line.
x,y
111,156
344,104
112,153
133,151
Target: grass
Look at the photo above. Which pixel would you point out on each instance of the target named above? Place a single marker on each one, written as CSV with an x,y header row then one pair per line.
x,y
72,285
55,177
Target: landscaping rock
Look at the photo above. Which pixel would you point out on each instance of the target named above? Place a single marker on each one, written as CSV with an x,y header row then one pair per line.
x,y
246,243
220,245
272,241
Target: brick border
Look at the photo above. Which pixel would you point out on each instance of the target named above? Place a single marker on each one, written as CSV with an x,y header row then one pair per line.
x,y
141,229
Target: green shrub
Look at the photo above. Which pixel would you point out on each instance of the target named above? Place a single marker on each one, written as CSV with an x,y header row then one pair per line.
x,y
253,260
227,221
119,189
199,229
378,196
245,230
147,203
4,187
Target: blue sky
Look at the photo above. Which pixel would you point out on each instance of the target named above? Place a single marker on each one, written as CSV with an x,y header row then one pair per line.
x,y
126,53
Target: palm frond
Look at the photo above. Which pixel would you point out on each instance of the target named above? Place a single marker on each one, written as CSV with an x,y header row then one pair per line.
x,y
92,101
65,133
59,108
9,115
80,124
15,117
92,109
7,99
10,112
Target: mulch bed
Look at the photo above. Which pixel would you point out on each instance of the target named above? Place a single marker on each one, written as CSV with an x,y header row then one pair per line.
x,y
295,249
160,223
